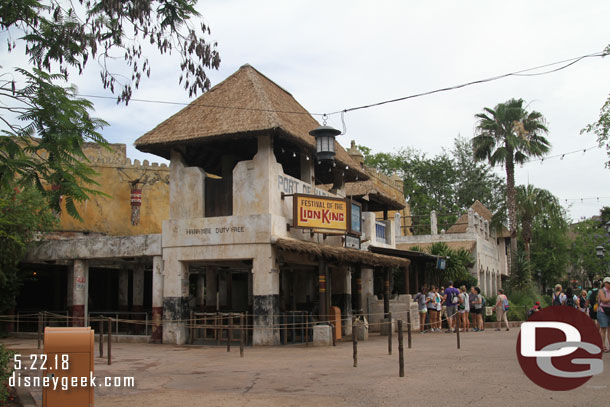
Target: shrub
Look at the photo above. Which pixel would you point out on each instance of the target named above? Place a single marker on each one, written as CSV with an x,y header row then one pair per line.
x,y
5,372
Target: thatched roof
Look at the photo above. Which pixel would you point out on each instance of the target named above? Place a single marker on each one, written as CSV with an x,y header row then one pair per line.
x,y
245,104
455,245
376,191
341,254
380,197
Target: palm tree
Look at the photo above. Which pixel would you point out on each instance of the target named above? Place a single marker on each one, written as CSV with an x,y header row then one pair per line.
x,y
509,135
531,203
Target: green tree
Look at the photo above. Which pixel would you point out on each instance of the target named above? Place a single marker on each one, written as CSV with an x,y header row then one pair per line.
x,y
44,122
550,245
507,135
448,183
601,128
586,236
531,203
23,214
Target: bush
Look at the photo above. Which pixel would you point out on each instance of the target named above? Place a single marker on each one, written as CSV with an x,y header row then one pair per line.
x,y
5,372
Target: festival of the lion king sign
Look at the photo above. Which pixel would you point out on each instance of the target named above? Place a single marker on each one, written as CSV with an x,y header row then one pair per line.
x,y
317,212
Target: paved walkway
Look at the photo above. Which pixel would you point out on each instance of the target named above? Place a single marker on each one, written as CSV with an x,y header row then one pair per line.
x,y
485,372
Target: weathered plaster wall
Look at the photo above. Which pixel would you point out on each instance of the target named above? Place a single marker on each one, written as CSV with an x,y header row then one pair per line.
x,y
111,215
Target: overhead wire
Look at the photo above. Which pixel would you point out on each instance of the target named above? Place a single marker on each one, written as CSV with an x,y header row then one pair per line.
x,y
522,72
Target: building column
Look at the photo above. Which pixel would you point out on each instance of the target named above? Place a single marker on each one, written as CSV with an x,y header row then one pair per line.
x,y
357,275
322,291
138,288
157,299
123,290
433,223
265,296
175,300
200,292
79,292
211,288
341,282
368,287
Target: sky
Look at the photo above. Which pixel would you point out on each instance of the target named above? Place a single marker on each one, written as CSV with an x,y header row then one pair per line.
x,y
332,55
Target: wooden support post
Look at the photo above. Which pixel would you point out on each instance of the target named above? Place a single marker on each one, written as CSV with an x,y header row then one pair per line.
x,y
390,334
409,329
110,341
358,302
457,328
322,291
39,328
101,336
401,353
332,326
355,343
241,336
284,328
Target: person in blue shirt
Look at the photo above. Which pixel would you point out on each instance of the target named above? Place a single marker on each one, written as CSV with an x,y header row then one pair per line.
x,y
452,299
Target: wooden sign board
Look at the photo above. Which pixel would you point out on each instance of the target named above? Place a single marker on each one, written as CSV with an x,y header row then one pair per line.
x,y
316,212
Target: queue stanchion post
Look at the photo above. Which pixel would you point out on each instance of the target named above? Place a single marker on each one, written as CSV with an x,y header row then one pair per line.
x,y
401,356
390,333
409,329
457,328
109,340
355,343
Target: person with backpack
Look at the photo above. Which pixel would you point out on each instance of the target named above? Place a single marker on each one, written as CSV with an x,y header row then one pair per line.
x,y
502,307
464,309
438,300
432,312
603,314
571,299
534,309
583,305
452,299
592,297
559,297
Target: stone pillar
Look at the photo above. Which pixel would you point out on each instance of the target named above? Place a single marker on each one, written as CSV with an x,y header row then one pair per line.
x,y
138,289
494,282
390,234
266,293
79,292
470,227
397,225
157,299
357,275
368,287
175,300
211,288
433,223
200,292
123,290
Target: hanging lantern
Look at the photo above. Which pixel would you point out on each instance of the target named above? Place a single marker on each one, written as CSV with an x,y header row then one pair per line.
x,y
325,142
136,202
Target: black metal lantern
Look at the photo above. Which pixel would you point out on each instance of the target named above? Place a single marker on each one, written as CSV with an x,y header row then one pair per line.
x,y
325,142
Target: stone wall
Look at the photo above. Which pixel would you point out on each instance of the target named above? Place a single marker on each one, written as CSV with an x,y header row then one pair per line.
x,y
111,214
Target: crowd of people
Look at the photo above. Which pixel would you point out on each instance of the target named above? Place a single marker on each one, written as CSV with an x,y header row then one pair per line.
x,y
595,303
450,304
